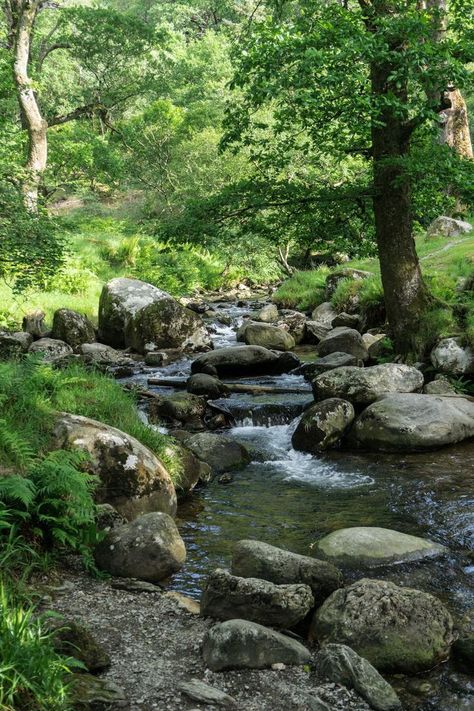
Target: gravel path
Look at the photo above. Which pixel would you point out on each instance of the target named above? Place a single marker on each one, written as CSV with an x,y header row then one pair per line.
x,y
155,643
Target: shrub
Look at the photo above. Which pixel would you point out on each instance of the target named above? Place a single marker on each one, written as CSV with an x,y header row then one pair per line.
x,y
32,674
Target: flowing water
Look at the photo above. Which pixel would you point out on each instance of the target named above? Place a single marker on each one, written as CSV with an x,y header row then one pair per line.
x,y
291,499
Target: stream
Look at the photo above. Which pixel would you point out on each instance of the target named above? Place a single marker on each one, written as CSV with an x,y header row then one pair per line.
x,y
290,499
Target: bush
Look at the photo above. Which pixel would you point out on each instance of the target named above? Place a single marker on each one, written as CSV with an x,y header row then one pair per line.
x,y
32,674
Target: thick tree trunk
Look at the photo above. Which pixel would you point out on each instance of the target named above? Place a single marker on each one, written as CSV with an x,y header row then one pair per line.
x,y
404,290
36,125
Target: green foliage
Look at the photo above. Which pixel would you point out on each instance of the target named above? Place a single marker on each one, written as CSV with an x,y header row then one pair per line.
x,y
366,293
32,674
304,290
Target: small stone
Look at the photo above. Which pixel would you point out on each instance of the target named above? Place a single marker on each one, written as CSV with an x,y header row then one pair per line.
x,y
200,691
135,586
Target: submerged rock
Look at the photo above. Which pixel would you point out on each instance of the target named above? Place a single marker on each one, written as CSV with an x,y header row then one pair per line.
x,y
363,386
255,559
345,340
272,337
451,357
149,548
413,422
240,644
396,629
132,478
72,327
342,665
323,425
134,314
369,546
228,597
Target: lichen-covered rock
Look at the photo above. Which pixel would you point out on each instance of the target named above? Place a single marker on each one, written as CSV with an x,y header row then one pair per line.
x,y
346,320
255,559
334,360
267,314
370,546
134,314
396,629
342,665
448,227
324,314
242,360
268,336
14,345
228,597
72,328
323,425
132,478
74,640
451,357
181,407
413,422
220,452
104,357
315,331
50,348
149,548
193,470
439,386
240,644
363,386
345,340
294,322
90,693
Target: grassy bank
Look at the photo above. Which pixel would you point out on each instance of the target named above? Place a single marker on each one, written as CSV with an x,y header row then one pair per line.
x,y
443,261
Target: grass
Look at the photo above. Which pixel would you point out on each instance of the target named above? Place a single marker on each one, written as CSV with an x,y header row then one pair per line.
x,y
31,392
304,290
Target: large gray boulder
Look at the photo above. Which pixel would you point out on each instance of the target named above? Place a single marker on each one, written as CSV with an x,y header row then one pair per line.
x,y
132,478
73,328
14,345
347,340
324,314
342,665
50,348
363,386
268,336
451,357
240,644
448,227
396,629
135,314
323,425
370,546
255,559
149,548
220,452
267,314
413,422
228,597
242,360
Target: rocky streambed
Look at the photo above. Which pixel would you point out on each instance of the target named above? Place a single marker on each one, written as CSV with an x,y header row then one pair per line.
x,y
262,488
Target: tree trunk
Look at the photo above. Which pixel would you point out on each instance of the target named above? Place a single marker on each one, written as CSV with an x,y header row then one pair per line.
x,y
455,125
405,293
36,125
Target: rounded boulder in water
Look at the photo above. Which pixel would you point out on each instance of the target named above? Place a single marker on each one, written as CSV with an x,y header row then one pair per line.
x,y
370,547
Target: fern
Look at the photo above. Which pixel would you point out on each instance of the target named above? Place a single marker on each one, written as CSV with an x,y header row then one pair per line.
x,y
14,446
17,489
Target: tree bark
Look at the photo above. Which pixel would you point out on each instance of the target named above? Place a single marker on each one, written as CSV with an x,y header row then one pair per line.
x,y
405,293
36,125
455,125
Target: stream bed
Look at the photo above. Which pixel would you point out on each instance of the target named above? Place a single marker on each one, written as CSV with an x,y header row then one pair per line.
x,y
290,499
